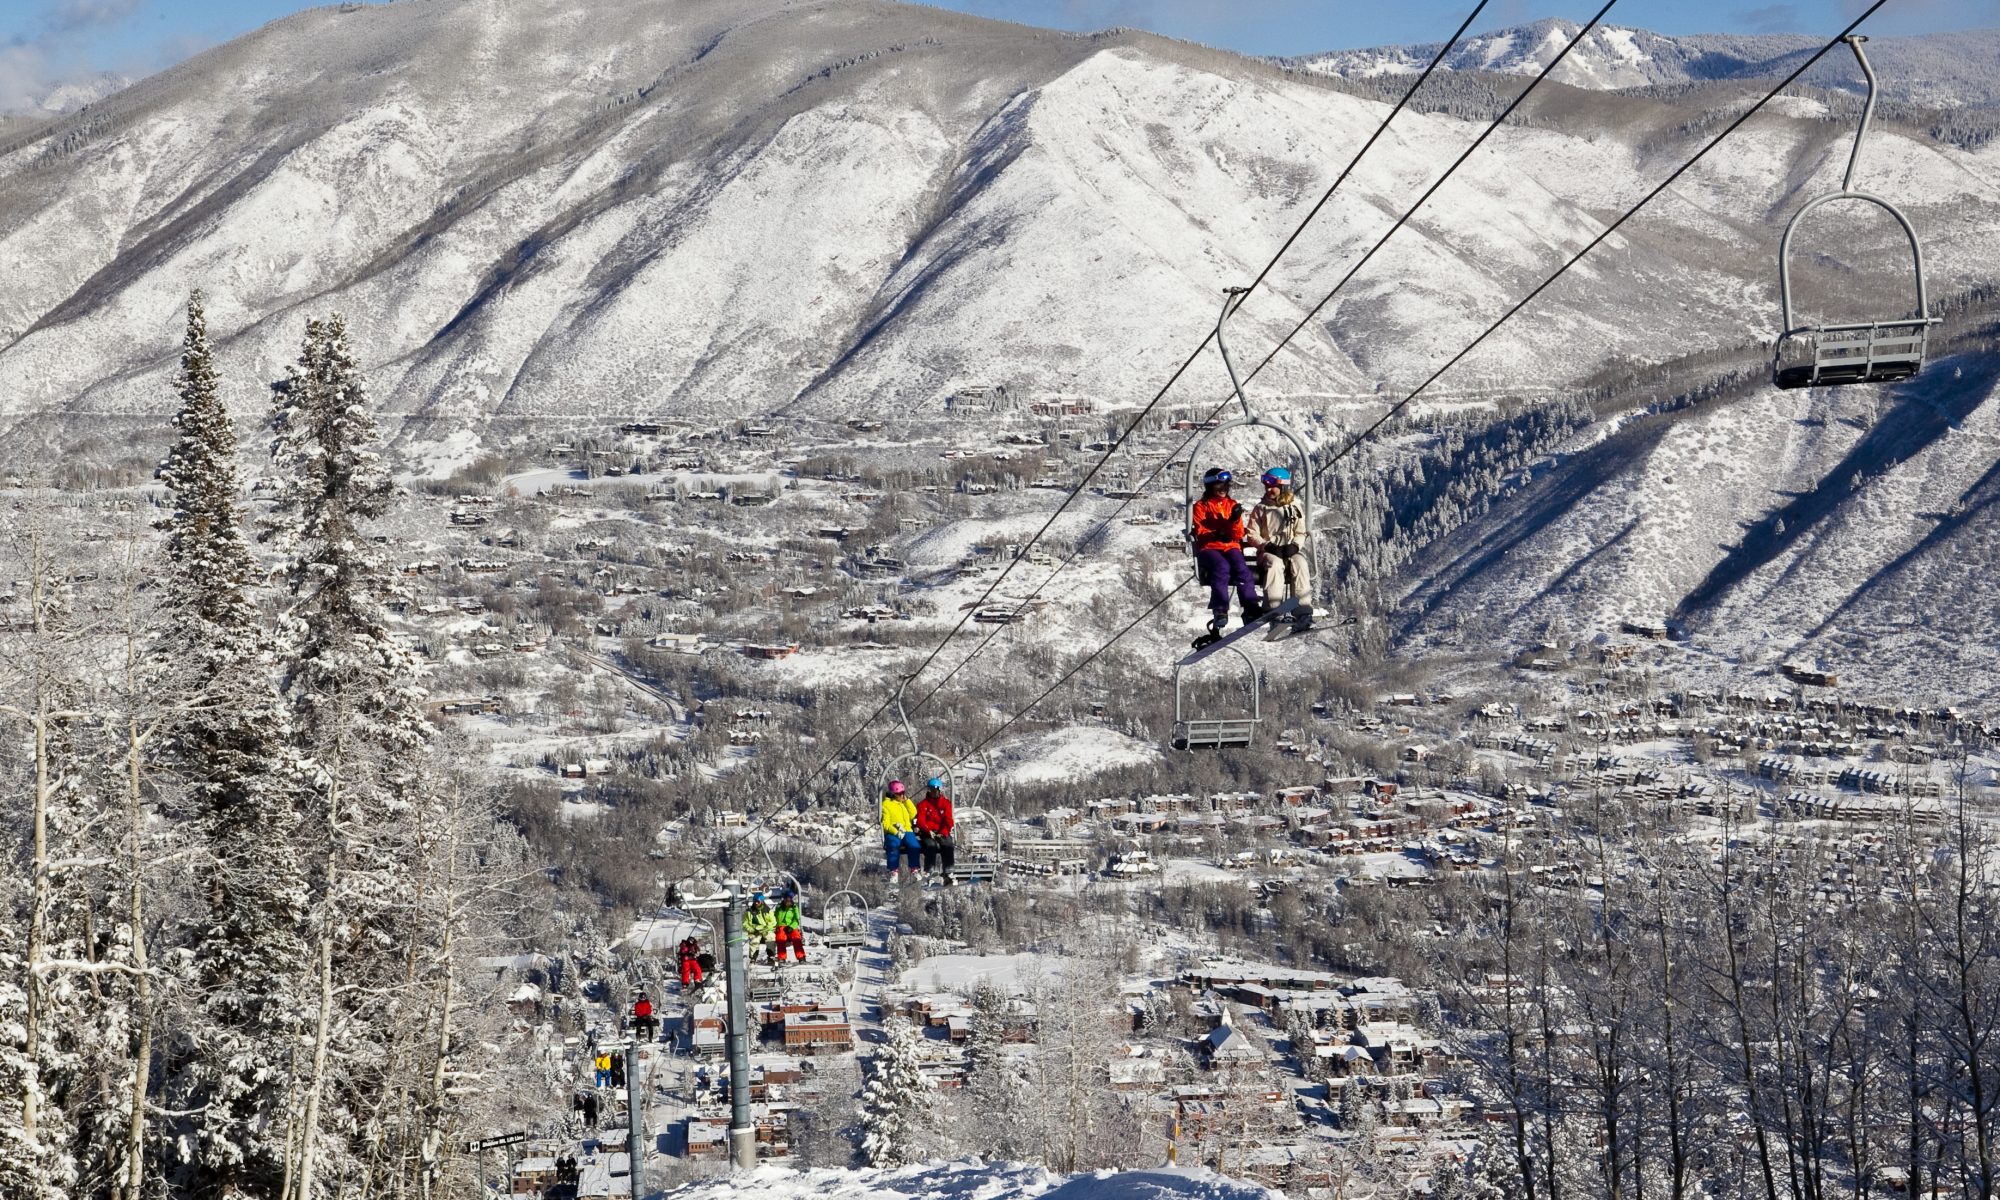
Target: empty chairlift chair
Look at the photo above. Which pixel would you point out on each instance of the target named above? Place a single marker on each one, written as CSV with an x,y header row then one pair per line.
x,y
1879,351
844,920
1215,733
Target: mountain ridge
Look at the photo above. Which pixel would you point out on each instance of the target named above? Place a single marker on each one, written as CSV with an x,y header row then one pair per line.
x,y
1950,69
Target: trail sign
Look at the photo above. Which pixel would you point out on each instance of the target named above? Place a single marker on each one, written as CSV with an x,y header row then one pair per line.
x,y
481,1145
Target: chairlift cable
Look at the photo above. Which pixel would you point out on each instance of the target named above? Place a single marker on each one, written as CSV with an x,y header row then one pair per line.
x,y
1352,271
1199,349
1608,230
1539,288
1084,482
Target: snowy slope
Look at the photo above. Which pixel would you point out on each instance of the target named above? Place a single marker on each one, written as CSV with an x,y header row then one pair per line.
x,y
610,208
1942,69
967,1179
1845,527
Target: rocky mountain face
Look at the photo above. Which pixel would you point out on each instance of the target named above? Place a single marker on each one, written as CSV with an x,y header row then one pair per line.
x,y
540,216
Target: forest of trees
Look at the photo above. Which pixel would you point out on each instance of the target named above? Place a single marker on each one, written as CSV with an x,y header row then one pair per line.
x,y
233,955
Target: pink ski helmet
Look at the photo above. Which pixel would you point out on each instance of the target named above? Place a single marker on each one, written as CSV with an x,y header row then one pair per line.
x,y
896,787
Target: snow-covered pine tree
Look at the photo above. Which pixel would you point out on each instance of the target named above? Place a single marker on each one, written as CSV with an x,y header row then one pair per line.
x,y
356,711
230,1069
1491,1174
995,1085
34,1163
898,1102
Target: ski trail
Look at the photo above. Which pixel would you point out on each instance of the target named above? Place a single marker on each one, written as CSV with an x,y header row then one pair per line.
x,y
871,975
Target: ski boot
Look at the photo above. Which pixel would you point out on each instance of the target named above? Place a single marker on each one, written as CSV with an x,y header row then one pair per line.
x,y
1215,627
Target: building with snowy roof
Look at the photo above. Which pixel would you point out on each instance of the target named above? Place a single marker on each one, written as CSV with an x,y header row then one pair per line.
x,y
1227,1046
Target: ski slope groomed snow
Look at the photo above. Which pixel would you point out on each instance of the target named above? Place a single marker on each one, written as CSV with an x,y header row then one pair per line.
x,y
969,1179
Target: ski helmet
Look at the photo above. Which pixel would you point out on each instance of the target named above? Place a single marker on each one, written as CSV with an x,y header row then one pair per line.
x,y
1215,475
1278,477
934,783
896,787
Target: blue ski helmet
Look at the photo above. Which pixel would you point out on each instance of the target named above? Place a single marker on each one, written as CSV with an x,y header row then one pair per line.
x,y
936,783
1215,475
1278,477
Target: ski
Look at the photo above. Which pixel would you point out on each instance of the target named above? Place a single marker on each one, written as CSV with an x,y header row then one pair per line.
x,y
1203,647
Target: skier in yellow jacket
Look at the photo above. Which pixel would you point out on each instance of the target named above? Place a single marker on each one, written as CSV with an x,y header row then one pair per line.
x,y
900,843
760,928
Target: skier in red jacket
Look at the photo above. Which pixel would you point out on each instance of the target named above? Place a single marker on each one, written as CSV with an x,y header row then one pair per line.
x,y
642,1018
690,951
1217,528
935,823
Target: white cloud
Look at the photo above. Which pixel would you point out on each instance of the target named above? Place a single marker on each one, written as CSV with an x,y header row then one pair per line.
x,y
69,16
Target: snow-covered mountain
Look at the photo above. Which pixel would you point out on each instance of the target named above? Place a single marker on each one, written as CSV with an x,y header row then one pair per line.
x,y
609,208
1939,69
69,95
538,215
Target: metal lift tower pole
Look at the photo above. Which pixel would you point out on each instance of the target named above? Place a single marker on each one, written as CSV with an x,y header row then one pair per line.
x,y
742,1131
635,1120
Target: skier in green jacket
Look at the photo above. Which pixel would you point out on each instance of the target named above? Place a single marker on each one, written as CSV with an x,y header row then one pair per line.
x,y
791,932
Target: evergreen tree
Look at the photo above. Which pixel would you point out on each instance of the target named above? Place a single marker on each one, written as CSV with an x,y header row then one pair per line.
x,y
356,715
232,755
897,1122
34,1164
995,1085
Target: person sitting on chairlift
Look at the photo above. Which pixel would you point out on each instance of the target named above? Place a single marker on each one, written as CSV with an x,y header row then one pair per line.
x,y
1218,549
900,845
790,933
1277,527
690,955
760,929
935,823
643,1022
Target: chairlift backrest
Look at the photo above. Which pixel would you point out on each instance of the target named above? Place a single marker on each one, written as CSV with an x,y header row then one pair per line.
x,y
1879,351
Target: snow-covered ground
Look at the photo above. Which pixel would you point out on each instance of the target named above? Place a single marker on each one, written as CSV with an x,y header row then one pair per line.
x,y
1075,752
967,1179
960,972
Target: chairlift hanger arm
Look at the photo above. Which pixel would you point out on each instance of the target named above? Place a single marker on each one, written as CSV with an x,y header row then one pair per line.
x,y
1303,481
1232,299
1854,41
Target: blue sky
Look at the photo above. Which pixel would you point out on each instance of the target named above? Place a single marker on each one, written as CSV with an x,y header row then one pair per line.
x,y
47,40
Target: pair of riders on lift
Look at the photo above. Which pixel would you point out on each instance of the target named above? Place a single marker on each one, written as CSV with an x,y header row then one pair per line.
x,y
1276,527
771,932
918,832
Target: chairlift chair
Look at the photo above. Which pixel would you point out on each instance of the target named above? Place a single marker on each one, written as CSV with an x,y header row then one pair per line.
x,y
1234,732
1216,733
972,866
844,919
1880,351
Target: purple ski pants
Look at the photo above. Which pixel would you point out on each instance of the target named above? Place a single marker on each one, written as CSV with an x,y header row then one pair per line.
x,y
1222,570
